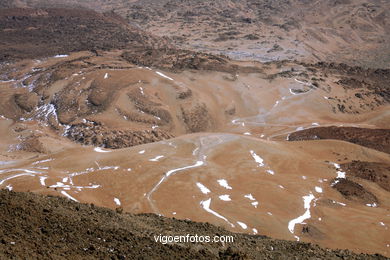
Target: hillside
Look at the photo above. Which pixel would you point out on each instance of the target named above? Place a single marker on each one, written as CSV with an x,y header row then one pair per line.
x,y
65,229
352,32
35,33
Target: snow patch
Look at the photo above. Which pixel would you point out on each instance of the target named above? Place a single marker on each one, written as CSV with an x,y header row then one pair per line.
x,y
101,150
224,184
68,196
163,75
270,172
61,56
340,174
249,196
203,188
117,201
257,158
373,205
42,161
243,225
42,180
225,197
206,206
300,220
157,158
46,110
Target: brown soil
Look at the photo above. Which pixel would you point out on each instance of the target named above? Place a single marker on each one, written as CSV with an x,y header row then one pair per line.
x,y
378,139
378,173
27,101
39,227
65,92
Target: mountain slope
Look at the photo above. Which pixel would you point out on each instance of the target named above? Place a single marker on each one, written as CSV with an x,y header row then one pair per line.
x,y
32,33
353,32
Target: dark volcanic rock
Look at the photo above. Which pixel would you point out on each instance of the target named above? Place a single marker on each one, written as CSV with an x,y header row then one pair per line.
x,y
378,139
33,33
177,60
376,172
354,191
92,133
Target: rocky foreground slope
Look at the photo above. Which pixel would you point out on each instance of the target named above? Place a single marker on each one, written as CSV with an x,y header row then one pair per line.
x,y
58,228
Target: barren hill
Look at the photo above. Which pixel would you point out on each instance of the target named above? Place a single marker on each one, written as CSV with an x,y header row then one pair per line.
x,y
32,33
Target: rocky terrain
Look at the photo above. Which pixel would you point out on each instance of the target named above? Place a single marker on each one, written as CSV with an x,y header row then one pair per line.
x,y
264,118
356,32
59,228
28,33
378,139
